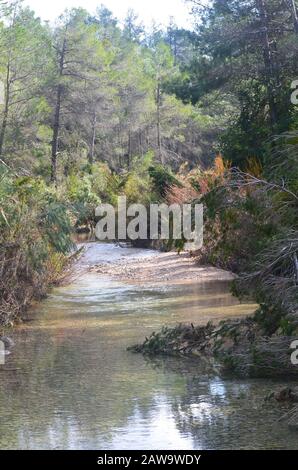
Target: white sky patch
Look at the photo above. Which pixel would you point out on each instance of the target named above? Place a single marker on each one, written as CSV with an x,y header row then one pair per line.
x,y
148,10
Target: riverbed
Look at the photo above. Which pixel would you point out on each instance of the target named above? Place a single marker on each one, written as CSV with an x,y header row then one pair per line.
x,y
70,382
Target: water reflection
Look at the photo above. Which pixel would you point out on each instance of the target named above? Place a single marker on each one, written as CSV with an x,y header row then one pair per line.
x,y
70,382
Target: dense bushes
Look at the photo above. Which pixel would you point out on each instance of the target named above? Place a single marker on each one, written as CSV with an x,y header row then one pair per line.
x,y
251,227
35,236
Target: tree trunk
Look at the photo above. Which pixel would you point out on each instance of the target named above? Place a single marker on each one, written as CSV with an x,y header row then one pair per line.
x,y
129,153
268,62
5,111
158,123
56,125
294,15
56,129
92,147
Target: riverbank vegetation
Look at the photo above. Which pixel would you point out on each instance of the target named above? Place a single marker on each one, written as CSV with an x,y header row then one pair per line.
x,y
93,109
239,347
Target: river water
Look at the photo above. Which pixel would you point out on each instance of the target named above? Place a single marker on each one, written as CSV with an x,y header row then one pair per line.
x,y
70,383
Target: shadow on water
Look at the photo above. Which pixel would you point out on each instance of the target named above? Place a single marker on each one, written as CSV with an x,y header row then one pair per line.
x,y
70,383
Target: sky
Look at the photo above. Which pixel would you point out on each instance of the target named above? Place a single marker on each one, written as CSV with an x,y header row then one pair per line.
x,y
148,10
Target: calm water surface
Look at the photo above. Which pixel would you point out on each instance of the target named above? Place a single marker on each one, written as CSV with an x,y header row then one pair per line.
x,y
71,384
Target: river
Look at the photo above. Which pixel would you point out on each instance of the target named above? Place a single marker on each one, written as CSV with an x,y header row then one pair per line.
x,y
70,383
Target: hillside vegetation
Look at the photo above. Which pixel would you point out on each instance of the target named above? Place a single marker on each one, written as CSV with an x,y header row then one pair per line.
x,y
93,109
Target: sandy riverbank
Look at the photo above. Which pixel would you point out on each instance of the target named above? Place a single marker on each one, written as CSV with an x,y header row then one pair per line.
x,y
160,267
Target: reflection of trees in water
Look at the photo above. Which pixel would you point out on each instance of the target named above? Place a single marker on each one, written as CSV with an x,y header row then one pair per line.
x,y
70,390
77,387
230,415
224,412
77,390
79,382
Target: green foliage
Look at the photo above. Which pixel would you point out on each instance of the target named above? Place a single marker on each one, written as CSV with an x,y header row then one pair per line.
x,y
35,230
248,135
26,200
79,190
138,185
163,179
246,48
57,227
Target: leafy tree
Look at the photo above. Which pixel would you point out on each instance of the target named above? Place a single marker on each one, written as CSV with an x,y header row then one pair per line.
x,y
133,30
24,43
78,61
247,48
